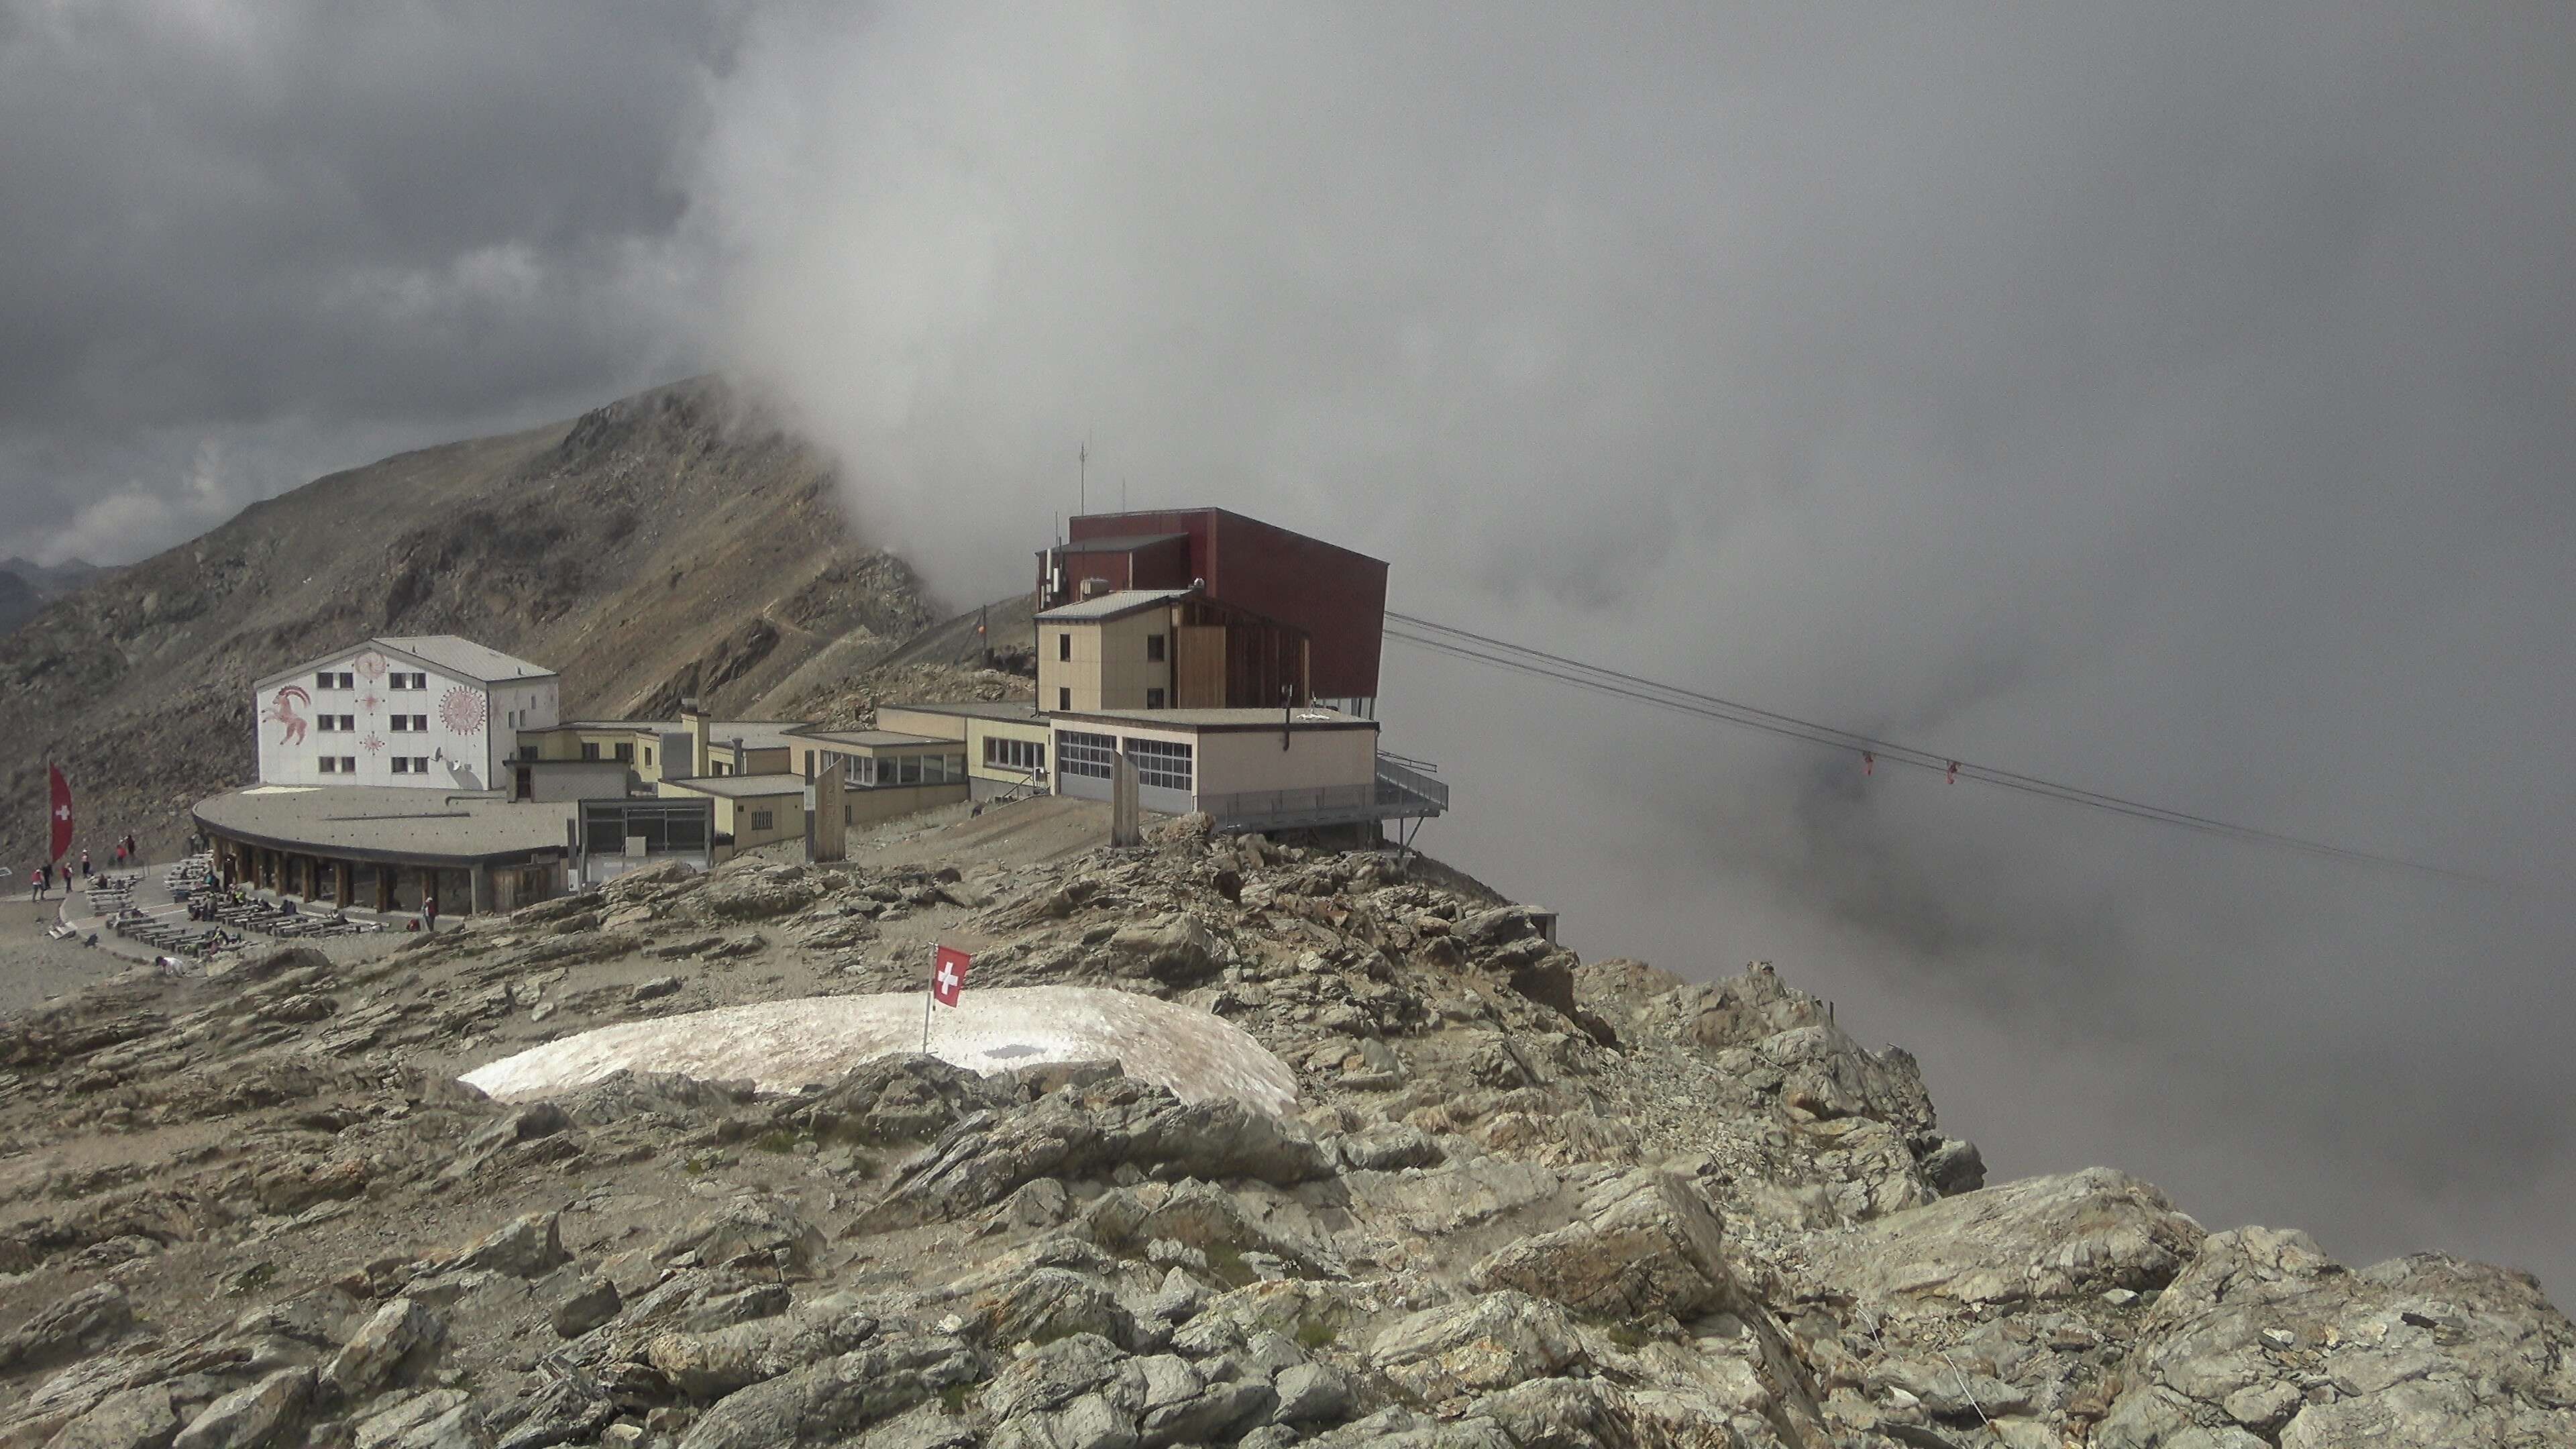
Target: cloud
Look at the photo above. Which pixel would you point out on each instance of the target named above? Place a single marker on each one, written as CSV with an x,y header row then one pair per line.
x,y
2172,403
302,234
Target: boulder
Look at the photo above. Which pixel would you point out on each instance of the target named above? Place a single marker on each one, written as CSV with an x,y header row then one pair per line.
x,y
530,1246
586,1305
1069,1134
251,1417
2070,1236
1048,1304
760,1232
1488,1342
910,1098
1311,1393
1179,951
831,1401
132,1419
72,1327
1647,1243
379,1347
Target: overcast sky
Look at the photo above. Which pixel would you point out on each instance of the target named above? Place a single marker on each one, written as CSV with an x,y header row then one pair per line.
x,y
2175,402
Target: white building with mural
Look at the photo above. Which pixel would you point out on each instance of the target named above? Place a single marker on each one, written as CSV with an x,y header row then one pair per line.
x,y
432,710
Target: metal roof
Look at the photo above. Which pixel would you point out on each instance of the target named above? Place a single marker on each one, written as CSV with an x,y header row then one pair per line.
x,y
387,822
1111,605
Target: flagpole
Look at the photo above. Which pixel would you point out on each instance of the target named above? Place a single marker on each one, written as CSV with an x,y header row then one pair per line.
x,y
929,997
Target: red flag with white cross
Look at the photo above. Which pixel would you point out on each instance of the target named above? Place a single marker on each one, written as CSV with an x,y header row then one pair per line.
x,y
58,810
948,974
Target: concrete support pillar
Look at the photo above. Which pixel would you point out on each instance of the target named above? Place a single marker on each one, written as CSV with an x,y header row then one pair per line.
x,y
827,832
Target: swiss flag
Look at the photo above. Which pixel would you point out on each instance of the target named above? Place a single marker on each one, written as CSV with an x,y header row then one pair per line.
x,y
948,974
58,811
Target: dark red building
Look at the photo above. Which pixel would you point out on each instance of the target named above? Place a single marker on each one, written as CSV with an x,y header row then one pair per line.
x,y
1335,597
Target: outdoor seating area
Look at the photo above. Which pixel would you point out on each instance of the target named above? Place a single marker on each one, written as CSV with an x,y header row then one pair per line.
x,y
171,937
241,910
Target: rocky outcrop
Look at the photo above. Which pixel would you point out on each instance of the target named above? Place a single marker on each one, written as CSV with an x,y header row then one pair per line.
x,y
1512,1201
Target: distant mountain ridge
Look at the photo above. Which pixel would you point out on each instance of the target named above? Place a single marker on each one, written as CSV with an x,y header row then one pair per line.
x,y
679,542
26,586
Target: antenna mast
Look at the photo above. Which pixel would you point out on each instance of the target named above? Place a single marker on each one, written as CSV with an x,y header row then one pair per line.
x,y
1082,473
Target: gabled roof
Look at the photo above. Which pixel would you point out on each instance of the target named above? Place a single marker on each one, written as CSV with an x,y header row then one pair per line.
x,y
1113,605
447,653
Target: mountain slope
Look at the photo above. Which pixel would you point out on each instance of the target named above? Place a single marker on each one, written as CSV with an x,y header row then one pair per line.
x,y
675,543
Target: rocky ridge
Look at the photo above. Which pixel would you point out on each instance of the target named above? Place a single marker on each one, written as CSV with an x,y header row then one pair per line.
x,y
1529,1201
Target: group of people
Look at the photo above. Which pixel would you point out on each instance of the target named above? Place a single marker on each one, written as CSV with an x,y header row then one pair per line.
x,y
40,881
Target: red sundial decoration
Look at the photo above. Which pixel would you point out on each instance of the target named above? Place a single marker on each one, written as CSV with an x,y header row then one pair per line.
x,y
368,701
370,667
372,743
461,710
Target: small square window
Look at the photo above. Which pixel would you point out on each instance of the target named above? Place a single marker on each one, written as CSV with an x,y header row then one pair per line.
x,y
420,764
348,764
402,765
762,819
330,764
1153,699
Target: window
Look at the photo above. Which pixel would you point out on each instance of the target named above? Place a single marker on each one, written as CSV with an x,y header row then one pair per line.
x,y
330,764
1002,754
1085,754
1153,699
910,766
402,764
402,724
420,764
1161,763
405,724
648,754
1154,648
326,723
957,767
858,771
1064,645
626,754
763,819
590,749
348,764
420,723
1063,698
934,769
330,679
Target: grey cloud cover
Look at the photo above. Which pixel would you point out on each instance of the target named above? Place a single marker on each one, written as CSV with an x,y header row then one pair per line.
x,y
2175,401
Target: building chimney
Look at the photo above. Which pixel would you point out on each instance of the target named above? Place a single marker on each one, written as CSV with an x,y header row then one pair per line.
x,y
695,718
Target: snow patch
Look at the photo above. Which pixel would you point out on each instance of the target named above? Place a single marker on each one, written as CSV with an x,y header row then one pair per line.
x,y
783,1045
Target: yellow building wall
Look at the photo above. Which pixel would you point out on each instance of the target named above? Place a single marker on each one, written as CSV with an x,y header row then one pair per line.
x,y
867,807
1108,669
980,730
1252,760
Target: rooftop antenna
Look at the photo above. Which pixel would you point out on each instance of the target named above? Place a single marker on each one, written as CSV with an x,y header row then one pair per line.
x,y
1122,492
1082,473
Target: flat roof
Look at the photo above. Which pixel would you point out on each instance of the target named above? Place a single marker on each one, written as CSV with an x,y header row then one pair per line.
x,y
871,739
736,787
1018,711
755,734
387,822
1112,604
1218,720
1119,544
459,655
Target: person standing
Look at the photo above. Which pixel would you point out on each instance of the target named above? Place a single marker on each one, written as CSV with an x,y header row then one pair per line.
x,y
429,912
35,886
132,852
85,870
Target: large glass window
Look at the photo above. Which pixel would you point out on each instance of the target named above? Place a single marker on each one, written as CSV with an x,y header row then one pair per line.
x,y
1163,764
1077,753
1007,754
910,770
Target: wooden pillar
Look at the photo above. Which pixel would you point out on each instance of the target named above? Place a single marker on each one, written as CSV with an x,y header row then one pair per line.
x,y
348,884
